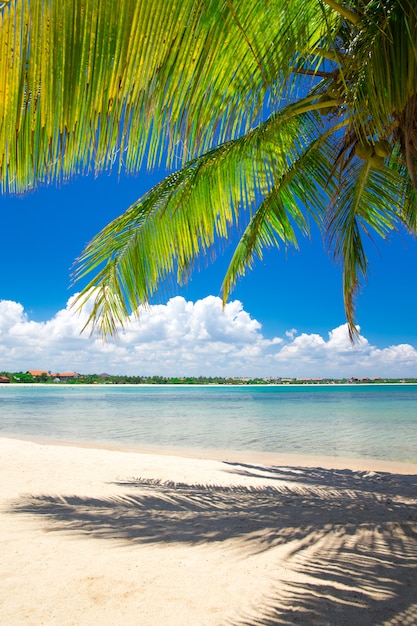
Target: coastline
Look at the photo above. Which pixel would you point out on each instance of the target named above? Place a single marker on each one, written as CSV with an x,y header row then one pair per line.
x,y
230,455
254,385
97,535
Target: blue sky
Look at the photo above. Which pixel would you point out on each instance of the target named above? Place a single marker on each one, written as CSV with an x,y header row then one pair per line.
x,y
287,294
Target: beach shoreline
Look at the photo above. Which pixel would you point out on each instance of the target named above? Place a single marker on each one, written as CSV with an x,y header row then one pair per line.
x,y
243,456
97,535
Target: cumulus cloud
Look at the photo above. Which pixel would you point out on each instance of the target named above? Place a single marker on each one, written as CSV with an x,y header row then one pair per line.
x,y
191,338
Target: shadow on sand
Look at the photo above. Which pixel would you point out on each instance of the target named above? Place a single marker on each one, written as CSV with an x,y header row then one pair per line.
x,y
353,552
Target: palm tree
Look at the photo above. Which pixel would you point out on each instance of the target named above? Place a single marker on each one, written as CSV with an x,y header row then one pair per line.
x,y
270,115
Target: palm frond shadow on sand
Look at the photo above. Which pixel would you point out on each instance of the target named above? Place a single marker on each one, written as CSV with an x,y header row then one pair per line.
x,y
353,535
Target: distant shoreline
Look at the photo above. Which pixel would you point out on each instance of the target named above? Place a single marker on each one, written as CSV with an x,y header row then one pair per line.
x,y
135,385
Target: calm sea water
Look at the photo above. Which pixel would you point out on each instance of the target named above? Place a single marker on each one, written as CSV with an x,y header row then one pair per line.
x,y
365,421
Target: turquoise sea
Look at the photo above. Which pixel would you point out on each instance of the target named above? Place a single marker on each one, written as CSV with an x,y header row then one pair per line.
x,y
364,421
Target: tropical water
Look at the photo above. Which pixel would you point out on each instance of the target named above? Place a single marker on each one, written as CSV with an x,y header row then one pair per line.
x,y
364,421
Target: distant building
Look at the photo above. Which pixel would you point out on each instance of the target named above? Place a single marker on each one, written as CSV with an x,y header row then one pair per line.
x,y
65,376
58,377
4,379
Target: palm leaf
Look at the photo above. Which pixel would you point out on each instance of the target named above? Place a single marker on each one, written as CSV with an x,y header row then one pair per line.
x,y
368,202
300,187
84,87
165,232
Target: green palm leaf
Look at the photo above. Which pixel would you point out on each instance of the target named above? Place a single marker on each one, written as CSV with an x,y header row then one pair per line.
x,y
166,231
85,85
264,108
297,193
369,202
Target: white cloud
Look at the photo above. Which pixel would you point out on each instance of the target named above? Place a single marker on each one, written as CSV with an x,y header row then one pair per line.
x,y
187,338
11,313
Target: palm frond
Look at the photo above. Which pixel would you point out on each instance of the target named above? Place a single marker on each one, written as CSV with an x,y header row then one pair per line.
x,y
165,231
368,203
302,190
85,86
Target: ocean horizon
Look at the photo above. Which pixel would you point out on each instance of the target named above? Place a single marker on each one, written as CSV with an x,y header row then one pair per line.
x,y
362,421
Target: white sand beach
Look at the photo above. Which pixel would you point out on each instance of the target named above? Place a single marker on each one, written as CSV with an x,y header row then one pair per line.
x,y
94,536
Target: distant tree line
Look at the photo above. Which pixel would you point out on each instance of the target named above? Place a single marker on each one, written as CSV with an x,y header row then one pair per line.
x,y
108,379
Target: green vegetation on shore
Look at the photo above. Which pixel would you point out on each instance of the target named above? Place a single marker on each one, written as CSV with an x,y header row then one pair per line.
x,y
103,379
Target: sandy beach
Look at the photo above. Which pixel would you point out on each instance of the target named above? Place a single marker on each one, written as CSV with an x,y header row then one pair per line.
x,y
94,536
